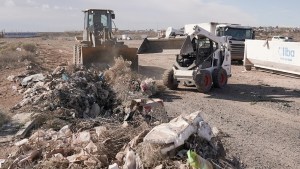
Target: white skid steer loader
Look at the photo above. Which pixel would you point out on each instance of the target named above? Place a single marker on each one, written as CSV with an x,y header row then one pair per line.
x,y
204,61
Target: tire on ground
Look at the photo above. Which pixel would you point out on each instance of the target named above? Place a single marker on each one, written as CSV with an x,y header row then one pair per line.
x,y
203,81
168,79
219,78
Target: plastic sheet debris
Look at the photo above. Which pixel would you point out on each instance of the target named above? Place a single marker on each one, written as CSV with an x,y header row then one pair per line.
x,y
173,134
197,162
32,78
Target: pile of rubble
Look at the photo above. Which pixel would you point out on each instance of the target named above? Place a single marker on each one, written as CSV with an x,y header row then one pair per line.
x,y
82,92
140,137
186,141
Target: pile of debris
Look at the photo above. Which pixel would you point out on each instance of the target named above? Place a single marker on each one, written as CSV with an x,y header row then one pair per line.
x,y
81,92
186,141
119,126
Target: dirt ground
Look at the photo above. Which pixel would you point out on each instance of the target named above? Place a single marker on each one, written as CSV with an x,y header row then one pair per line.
x,y
258,112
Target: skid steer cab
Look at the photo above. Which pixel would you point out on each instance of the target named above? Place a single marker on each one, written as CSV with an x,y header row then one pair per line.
x,y
97,46
204,61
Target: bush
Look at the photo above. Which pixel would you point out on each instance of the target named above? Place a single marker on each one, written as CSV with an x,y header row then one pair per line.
x,y
29,47
15,59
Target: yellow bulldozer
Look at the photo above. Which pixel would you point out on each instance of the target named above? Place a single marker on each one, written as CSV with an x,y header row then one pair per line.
x,y
98,46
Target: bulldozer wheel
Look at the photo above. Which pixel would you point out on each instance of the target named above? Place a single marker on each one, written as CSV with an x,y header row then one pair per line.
x,y
203,81
220,78
169,81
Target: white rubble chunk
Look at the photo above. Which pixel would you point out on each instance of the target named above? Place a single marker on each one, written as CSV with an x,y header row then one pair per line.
x,y
82,156
215,131
99,130
176,131
65,132
91,148
204,131
113,166
11,78
1,162
82,137
130,160
21,142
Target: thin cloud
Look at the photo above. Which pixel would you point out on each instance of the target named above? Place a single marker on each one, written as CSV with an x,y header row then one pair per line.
x,y
9,3
45,6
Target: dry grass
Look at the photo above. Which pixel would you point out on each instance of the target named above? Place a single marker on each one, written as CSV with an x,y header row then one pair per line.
x,y
10,57
15,59
150,155
29,47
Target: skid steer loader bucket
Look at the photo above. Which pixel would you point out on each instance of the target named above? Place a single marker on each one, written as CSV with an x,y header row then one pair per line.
x,y
159,45
88,56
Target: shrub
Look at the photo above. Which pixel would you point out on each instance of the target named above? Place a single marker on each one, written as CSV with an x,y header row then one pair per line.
x,y
29,47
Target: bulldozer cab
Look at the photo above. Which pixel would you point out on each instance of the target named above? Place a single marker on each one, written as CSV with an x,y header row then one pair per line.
x,y
97,26
97,46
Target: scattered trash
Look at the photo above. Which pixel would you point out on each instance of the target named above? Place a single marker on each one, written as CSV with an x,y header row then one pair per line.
x,y
32,78
197,162
149,87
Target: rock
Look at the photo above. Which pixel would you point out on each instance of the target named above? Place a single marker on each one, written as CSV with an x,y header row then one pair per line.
x,y
82,156
130,160
91,162
38,136
21,142
32,78
91,148
113,166
11,78
120,155
215,131
82,137
100,130
65,132
14,88
1,162
159,167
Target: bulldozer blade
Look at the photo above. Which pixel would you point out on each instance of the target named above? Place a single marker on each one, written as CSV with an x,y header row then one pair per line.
x,y
159,45
88,56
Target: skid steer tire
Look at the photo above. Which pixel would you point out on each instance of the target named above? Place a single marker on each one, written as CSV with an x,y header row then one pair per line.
x,y
203,81
219,78
169,81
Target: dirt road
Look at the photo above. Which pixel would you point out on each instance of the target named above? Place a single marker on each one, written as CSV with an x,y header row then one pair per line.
x,y
258,111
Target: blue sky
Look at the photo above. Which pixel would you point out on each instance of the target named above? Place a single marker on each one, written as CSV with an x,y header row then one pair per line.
x,y
66,15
